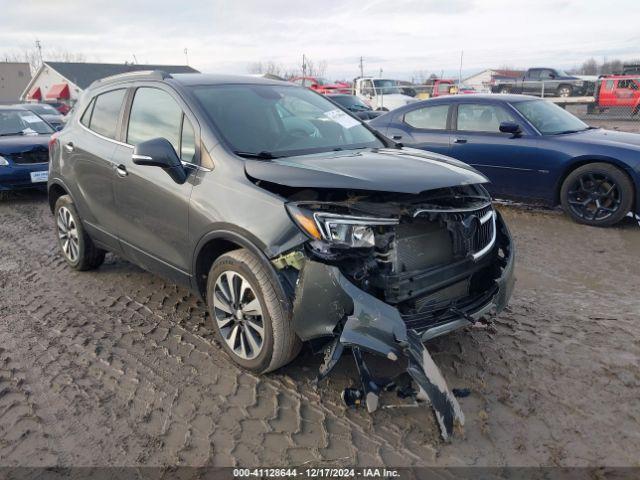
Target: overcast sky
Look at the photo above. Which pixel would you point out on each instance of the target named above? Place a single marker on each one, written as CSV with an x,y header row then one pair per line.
x,y
399,36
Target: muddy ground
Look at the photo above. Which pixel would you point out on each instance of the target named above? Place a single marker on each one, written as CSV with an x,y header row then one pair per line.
x,y
119,367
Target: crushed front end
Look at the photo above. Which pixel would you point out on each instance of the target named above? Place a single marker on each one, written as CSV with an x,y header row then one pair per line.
x,y
383,273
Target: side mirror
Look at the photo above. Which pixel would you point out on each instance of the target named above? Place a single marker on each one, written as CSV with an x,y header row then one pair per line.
x,y
158,152
57,128
510,127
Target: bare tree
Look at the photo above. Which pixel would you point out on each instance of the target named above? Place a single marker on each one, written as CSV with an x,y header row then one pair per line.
x,y
270,68
31,55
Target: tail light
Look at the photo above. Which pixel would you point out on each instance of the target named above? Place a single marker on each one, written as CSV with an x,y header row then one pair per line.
x,y
53,139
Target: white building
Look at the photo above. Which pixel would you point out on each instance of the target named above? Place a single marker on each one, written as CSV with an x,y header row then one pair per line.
x,y
481,81
65,81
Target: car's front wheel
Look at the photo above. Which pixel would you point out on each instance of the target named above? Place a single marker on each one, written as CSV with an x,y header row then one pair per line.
x,y
76,246
565,91
251,317
597,194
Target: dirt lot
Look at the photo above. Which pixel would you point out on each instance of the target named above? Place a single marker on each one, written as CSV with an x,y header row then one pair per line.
x,y
119,367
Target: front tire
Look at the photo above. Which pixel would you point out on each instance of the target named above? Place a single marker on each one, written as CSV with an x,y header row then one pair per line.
x,y
76,246
565,91
597,194
251,318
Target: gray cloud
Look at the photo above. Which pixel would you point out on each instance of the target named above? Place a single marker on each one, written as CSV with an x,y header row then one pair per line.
x,y
399,36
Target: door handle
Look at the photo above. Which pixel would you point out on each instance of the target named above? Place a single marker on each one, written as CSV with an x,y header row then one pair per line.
x,y
459,140
121,170
397,137
68,147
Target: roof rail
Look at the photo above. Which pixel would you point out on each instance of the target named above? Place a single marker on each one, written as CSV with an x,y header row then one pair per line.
x,y
137,74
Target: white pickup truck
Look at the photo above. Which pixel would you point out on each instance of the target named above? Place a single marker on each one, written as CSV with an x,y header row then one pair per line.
x,y
381,93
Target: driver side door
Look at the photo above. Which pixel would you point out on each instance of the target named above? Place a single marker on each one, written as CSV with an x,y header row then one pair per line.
x,y
153,209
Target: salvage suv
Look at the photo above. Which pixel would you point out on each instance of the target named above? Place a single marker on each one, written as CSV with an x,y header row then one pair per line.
x,y
291,218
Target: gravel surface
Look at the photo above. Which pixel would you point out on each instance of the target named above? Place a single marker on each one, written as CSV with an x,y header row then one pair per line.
x,y
119,367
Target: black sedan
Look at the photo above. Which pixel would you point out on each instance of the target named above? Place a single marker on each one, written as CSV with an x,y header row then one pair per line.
x,y
530,149
355,106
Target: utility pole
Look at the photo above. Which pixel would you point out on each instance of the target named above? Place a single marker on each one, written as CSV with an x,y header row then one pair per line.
x,y
460,71
304,69
186,56
380,74
361,68
39,47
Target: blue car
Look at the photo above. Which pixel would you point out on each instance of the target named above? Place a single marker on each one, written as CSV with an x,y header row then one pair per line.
x,y
24,149
530,149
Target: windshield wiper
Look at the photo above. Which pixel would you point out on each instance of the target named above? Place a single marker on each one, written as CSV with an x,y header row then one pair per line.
x,y
11,134
571,131
263,155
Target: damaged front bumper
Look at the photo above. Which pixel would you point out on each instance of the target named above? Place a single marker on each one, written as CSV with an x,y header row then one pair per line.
x,y
325,297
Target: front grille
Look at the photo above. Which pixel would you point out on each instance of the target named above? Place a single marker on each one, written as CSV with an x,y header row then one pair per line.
x,y
485,233
40,155
445,310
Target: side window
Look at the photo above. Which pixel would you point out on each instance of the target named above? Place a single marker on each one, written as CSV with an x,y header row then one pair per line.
x,y
608,85
534,74
482,118
546,74
444,87
367,87
106,110
86,116
154,114
430,118
187,141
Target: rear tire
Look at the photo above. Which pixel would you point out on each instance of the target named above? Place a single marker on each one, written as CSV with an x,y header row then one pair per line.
x,y
597,194
251,318
76,246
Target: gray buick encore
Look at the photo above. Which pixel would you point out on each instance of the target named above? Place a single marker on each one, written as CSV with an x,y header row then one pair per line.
x,y
291,218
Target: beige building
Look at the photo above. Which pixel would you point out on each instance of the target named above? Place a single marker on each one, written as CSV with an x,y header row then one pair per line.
x,y
14,77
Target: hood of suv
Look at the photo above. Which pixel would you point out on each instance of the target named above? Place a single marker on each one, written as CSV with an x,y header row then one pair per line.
x,y
386,170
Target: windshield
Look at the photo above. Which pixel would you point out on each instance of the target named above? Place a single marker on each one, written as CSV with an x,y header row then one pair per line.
x,y
276,121
549,118
350,102
386,87
22,122
42,109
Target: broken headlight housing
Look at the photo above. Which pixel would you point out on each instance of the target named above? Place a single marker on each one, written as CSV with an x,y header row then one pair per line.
x,y
345,230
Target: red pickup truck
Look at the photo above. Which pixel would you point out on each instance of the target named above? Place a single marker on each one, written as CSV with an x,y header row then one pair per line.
x,y
321,85
618,91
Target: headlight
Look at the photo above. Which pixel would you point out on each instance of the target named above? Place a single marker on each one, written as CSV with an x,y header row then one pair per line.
x,y
345,230
3,162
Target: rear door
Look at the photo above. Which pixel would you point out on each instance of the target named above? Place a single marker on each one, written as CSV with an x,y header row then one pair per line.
x,y
513,164
531,83
153,209
88,157
425,127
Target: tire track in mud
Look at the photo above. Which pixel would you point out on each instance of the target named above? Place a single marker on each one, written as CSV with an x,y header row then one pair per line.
x,y
122,368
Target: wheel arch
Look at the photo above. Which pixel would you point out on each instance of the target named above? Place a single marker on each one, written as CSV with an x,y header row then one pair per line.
x,y
55,190
220,240
585,160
